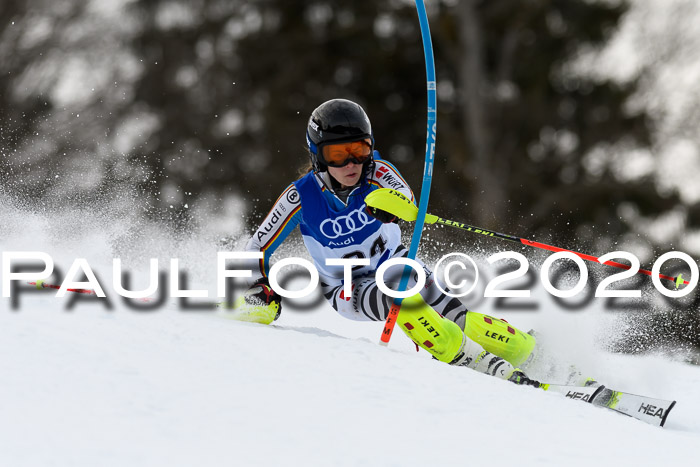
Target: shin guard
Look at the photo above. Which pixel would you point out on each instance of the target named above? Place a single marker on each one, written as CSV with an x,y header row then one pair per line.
x,y
500,338
430,331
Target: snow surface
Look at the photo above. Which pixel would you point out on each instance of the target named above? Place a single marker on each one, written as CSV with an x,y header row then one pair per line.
x,y
86,386
92,387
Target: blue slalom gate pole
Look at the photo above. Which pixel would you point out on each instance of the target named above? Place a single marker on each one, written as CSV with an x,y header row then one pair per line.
x,y
427,169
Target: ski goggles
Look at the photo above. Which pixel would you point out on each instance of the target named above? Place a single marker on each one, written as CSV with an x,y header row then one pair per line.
x,y
341,154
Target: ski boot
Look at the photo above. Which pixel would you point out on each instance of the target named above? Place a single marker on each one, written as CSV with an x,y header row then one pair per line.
x,y
259,304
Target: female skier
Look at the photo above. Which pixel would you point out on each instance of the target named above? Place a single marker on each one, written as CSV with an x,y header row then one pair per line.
x,y
327,203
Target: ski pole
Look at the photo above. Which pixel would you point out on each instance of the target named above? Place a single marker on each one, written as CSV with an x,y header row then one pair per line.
x,y
43,285
396,203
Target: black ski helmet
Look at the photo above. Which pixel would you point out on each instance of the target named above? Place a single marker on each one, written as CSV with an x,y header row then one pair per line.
x,y
336,121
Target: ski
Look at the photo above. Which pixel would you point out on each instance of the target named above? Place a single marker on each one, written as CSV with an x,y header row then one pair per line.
x,y
647,409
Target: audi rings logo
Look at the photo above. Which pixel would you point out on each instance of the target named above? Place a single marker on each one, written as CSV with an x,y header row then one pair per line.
x,y
345,225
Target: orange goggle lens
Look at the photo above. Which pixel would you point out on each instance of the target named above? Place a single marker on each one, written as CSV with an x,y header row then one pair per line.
x,y
340,154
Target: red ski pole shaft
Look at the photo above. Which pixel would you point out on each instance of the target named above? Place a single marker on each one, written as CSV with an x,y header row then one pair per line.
x,y
44,285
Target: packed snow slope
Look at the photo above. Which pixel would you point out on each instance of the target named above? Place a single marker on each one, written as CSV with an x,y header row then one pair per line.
x,y
84,385
113,388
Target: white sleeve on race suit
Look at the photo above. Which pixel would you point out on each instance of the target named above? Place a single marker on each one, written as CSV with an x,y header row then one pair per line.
x,y
274,229
385,175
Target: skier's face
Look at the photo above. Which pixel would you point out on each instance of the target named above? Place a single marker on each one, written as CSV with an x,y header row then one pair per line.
x,y
347,175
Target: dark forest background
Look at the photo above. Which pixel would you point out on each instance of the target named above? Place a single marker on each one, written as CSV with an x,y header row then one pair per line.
x,y
204,101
